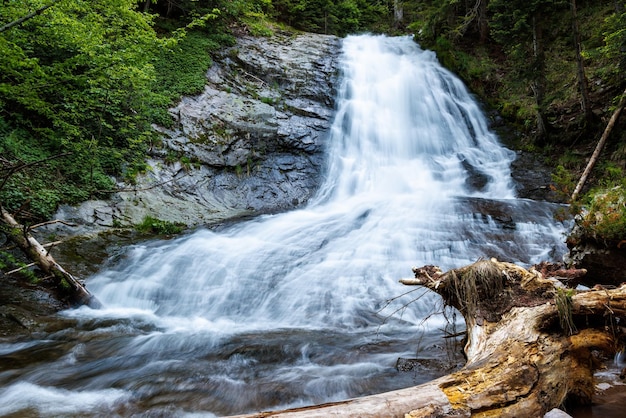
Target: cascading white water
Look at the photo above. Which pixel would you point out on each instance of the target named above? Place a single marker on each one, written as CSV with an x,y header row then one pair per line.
x,y
286,309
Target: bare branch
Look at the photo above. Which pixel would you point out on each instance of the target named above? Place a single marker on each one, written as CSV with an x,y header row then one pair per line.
x,y
28,16
8,273
59,221
14,169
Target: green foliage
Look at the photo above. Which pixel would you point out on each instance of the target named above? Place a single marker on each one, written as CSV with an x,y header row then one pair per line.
x,y
564,182
85,80
157,226
76,80
620,152
604,219
612,175
181,69
40,187
570,160
513,20
614,48
338,17
433,20
258,24
9,262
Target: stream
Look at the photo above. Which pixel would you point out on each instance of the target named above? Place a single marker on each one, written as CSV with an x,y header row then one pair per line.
x,y
302,307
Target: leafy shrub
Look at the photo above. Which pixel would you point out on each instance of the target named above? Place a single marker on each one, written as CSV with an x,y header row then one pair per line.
x,y
564,182
151,225
604,220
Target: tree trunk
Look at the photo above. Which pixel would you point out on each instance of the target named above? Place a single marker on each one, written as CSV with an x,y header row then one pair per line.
x,y
538,84
483,21
78,294
599,147
476,15
582,80
398,13
531,346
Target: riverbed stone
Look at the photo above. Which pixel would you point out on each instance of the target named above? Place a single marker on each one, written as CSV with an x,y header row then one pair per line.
x,y
557,413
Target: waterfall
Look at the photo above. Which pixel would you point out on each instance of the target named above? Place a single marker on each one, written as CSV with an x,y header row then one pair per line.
x,y
304,307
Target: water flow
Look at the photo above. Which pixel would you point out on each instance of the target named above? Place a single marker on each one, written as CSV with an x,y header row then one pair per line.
x,y
290,309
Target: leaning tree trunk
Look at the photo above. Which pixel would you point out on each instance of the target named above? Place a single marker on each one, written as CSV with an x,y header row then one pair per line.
x,y
599,147
18,234
531,345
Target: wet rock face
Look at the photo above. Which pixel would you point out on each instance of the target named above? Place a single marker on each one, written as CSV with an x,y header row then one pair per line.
x,y
252,142
23,307
533,178
605,265
604,259
264,97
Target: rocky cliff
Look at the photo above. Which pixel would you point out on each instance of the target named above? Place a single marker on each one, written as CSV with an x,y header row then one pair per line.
x,y
253,142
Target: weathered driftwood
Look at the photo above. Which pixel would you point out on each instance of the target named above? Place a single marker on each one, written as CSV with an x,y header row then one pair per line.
x,y
76,291
532,345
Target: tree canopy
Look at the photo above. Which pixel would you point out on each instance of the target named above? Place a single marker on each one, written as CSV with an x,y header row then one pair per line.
x,y
76,80
81,79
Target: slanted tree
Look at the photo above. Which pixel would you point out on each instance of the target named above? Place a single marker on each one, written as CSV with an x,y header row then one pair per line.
x,y
68,287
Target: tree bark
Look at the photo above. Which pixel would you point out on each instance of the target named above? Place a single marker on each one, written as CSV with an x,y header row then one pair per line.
x,y
398,13
531,346
483,21
599,147
538,84
78,294
582,80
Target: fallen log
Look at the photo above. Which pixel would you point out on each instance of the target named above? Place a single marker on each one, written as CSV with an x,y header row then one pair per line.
x,y
532,346
76,292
